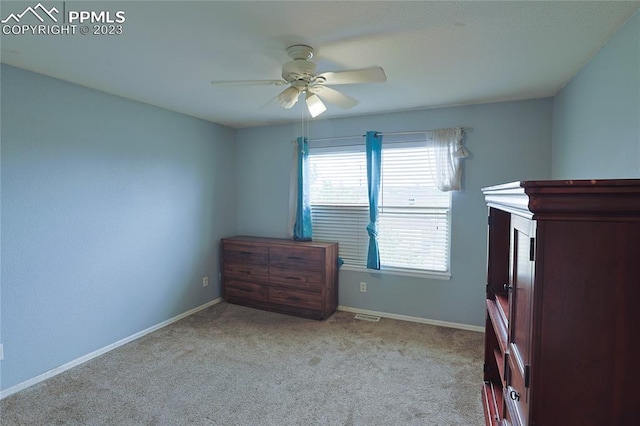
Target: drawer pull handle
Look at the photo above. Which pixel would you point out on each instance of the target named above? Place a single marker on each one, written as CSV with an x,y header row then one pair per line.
x,y
294,258
245,252
294,278
514,395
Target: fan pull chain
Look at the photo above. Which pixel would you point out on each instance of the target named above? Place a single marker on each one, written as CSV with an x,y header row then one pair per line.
x,y
304,123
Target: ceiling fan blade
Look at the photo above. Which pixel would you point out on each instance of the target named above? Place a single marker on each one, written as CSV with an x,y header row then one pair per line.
x,y
268,104
334,97
249,83
366,75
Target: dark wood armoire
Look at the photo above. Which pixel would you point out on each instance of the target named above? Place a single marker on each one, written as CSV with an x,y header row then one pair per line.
x,y
563,303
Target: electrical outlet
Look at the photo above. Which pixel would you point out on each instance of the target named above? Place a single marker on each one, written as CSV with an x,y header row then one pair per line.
x,y
205,281
363,287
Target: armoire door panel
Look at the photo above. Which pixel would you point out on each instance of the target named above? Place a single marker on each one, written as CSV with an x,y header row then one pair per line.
x,y
521,293
521,289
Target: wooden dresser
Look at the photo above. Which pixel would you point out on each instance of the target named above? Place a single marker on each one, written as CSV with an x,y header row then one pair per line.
x,y
291,277
563,314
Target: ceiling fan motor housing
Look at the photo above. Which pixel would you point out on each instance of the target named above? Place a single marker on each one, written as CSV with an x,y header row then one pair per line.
x,y
298,69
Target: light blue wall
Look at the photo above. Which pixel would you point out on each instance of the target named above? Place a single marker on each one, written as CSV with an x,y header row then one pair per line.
x,y
112,211
510,141
596,117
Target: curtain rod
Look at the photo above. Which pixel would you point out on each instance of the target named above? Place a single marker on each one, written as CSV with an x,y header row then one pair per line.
x,y
337,138
421,132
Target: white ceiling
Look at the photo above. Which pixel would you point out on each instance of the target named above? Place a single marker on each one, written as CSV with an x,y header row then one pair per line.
x,y
434,53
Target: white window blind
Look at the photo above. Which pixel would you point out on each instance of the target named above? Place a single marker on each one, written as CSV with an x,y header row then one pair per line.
x,y
413,215
339,205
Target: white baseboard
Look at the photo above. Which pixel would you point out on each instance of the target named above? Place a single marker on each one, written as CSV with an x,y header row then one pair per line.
x,y
53,372
412,319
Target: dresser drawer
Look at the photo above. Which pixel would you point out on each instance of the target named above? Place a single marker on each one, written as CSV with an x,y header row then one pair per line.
x,y
245,290
246,272
296,279
245,254
301,258
300,299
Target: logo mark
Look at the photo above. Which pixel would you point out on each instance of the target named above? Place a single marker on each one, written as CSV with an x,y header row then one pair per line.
x,y
34,11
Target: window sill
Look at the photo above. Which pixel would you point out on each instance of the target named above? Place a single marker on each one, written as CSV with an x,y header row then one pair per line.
x,y
431,275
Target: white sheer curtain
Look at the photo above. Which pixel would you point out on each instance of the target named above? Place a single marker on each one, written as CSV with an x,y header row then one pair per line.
x,y
449,152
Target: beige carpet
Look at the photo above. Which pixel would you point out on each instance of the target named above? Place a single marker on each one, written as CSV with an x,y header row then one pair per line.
x,y
230,365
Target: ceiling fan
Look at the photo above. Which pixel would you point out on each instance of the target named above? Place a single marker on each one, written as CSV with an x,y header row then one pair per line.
x,y
300,74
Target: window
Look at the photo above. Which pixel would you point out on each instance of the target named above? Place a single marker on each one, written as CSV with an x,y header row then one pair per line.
x,y
414,216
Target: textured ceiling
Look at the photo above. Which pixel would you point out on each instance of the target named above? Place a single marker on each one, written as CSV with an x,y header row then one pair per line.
x,y
434,53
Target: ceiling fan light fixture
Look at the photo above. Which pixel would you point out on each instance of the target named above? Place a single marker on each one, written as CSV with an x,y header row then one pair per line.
x,y
288,98
301,76
315,105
